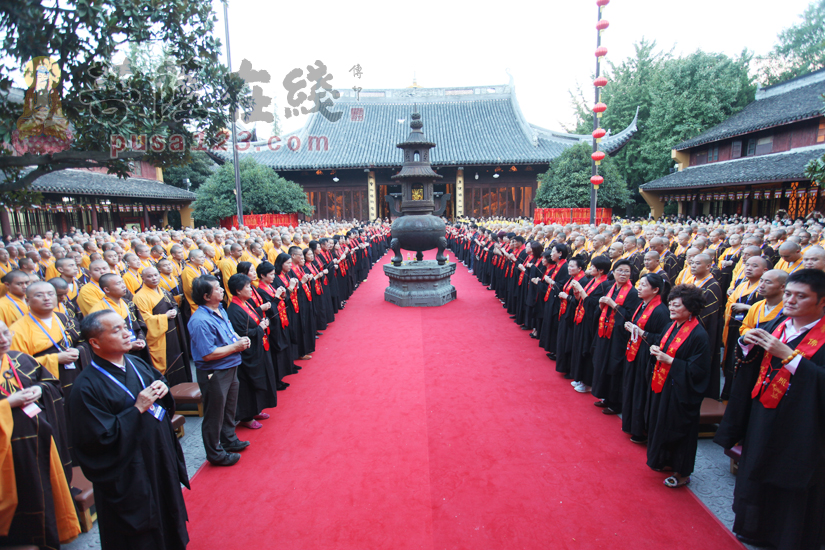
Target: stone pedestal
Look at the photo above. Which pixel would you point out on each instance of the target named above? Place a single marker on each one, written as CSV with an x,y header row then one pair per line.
x,y
420,284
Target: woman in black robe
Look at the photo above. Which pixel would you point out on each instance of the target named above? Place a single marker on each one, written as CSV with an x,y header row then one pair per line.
x,y
285,279
319,300
319,266
257,383
280,349
567,307
328,263
555,278
306,313
43,514
535,275
651,316
585,322
610,344
679,381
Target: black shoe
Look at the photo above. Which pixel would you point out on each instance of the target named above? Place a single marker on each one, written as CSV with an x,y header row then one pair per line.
x,y
639,440
608,410
316,337
239,446
230,460
534,337
552,356
522,327
752,542
318,333
568,376
512,316
601,404
281,386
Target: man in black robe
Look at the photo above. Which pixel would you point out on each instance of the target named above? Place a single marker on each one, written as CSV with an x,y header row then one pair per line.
x,y
777,413
121,412
710,317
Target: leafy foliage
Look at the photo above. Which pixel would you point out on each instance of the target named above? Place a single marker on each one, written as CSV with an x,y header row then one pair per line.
x,y
801,48
263,191
191,92
566,184
197,171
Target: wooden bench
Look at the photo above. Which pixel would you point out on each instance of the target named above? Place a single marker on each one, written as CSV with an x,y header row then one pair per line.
x,y
178,421
188,393
735,453
710,416
84,501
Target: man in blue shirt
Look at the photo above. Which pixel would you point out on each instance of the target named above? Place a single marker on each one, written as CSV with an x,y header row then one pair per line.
x,y
216,349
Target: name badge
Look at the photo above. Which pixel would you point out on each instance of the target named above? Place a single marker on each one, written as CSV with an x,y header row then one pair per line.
x,y
132,336
739,316
31,410
69,366
157,412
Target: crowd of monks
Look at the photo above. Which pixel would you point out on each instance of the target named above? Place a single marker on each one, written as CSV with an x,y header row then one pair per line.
x,y
51,283
652,319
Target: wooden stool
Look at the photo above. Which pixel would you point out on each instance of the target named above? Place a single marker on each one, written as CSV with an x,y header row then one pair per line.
x,y
188,393
710,415
735,453
83,501
178,421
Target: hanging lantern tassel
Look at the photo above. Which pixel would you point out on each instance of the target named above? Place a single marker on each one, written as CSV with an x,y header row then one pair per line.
x,y
599,133
596,180
598,156
599,108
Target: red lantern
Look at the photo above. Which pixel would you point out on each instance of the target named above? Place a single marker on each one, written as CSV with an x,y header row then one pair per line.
x,y
598,156
599,133
601,51
600,82
599,108
596,180
602,24
602,3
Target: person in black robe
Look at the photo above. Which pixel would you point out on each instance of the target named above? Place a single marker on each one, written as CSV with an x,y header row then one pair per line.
x,y
279,344
324,290
37,507
555,278
650,316
586,320
779,498
306,311
533,300
292,286
319,304
711,317
567,307
679,381
328,264
129,452
257,382
610,343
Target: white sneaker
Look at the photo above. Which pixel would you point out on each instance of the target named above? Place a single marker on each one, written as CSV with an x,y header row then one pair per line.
x,y
575,383
581,388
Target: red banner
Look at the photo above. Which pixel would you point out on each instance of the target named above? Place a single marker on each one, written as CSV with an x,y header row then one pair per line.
x,y
563,216
254,221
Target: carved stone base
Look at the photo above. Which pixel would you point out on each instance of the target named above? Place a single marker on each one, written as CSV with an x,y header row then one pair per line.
x,y
420,284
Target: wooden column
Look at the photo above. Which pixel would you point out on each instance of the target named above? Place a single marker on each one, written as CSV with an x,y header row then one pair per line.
x,y
373,196
4,221
95,226
459,193
186,216
165,218
146,218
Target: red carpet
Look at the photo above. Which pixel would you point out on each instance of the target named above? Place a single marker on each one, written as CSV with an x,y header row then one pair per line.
x,y
439,428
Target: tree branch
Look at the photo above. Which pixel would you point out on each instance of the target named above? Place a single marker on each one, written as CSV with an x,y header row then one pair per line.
x,y
65,157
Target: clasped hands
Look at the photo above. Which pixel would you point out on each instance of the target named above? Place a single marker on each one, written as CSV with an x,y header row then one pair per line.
x,y
768,342
151,393
25,397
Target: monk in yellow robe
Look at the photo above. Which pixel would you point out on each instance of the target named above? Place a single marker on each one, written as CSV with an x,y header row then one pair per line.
x,y
229,265
163,337
169,282
91,294
192,271
132,276
13,304
114,290
28,480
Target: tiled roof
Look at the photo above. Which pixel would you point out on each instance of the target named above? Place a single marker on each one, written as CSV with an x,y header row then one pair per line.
x,y
477,125
790,101
85,182
775,167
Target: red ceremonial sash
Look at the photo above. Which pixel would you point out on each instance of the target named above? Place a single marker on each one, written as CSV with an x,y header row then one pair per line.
x,y
566,290
607,319
633,347
292,295
318,289
300,274
773,391
661,370
281,304
590,286
552,275
254,315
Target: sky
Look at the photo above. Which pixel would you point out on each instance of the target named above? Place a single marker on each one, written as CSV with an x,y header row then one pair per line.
x,y
548,47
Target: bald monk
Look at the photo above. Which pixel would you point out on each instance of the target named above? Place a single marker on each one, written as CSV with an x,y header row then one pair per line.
x,y
193,270
160,313
114,290
13,304
710,316
229,266
91,294
772,290
814,258
169,281
67,270
791,257
132,276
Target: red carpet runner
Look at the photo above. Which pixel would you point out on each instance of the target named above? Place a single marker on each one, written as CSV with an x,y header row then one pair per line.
x,y
439,428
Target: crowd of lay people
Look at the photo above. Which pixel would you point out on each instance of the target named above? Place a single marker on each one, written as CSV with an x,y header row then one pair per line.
x,y
95,328
655,318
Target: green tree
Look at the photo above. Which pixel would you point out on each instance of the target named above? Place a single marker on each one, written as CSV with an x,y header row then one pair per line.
x,y
190,94
566,184
263,191
688,96
800,48
197,171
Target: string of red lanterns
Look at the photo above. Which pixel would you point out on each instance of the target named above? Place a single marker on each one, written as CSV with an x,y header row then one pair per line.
x,y
598,108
